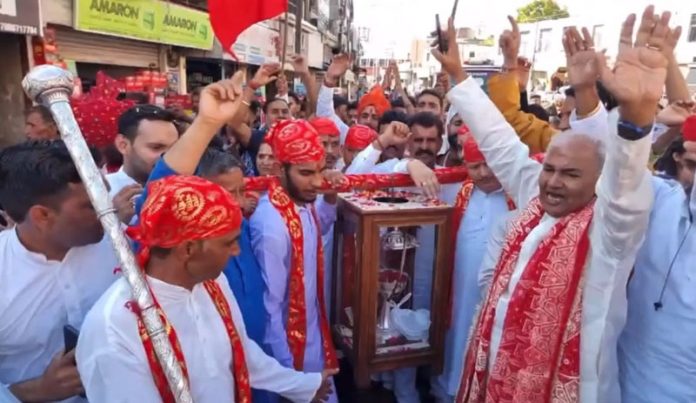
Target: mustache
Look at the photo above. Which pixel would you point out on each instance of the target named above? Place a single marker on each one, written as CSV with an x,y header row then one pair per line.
x,y
425,152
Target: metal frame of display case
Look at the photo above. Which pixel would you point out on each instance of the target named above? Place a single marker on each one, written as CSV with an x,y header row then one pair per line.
x,y
362,354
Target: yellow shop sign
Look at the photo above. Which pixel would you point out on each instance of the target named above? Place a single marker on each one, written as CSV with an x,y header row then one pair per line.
x,y
147,20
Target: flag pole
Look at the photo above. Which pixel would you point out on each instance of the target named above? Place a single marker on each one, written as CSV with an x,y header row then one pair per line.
x,y
285,38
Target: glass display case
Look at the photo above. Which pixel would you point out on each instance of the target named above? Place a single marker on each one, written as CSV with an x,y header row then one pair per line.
x,y
392,282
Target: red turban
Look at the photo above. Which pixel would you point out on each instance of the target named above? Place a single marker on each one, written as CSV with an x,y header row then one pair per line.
x,y
375,98
538,157
325,127
179,209
295,142
689,128
359,137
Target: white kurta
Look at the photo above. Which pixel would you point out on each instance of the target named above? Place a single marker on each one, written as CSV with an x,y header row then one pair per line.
x,y
118,180
38,297
657,349
624,199
113,366
367,162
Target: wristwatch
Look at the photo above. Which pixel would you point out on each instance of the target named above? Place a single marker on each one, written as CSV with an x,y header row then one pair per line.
x,y
629,131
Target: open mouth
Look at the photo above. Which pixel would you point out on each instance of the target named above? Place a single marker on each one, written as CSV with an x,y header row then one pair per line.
x,y
554,199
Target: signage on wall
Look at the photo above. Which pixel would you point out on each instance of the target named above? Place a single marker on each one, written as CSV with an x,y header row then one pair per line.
x,y
22,20
147,20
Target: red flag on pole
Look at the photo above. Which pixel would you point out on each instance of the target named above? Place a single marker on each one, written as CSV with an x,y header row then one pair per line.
x,y
230,18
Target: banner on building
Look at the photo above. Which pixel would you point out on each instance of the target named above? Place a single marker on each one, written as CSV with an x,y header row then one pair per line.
x,y
147,20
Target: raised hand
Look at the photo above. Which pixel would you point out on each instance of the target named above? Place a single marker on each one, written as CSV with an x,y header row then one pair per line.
x,y
581,58
339,66
266,74
282,85
397,75
524,68
638,77
509,43
220,101
450,60
675,114
299,63
671,40
397,133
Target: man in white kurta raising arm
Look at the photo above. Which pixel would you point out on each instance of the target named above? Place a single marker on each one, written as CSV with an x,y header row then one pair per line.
x,y
623,193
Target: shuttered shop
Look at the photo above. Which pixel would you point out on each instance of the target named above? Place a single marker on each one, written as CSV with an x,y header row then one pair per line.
x,y
86,47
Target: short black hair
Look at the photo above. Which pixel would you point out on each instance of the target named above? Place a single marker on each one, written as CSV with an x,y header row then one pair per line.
x,y
666,162
570,92
35,172
393,116
254,106
339,101
538,111
43,111
270,101
432,92
295,97
427,120
216,162
129,121
398,103
352,106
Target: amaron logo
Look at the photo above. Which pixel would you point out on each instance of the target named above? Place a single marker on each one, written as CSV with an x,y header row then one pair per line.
x,y
115,8
180,22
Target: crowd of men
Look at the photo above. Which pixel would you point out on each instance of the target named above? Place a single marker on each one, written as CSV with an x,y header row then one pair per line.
x,y
573,241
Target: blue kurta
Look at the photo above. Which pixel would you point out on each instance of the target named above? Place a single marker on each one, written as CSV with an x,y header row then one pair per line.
x,y
244,276
657,349
272,248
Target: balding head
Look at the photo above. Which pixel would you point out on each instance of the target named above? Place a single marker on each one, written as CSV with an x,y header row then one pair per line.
x,y
572,166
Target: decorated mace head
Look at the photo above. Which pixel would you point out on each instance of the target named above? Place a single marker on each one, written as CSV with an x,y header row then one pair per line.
x,y
47,84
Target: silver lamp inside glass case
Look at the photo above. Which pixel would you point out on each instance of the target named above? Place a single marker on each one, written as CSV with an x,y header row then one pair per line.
x,y
393,282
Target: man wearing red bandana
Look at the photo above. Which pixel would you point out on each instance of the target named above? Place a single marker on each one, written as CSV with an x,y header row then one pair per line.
x,y
187,231
286,231
359,138
330,138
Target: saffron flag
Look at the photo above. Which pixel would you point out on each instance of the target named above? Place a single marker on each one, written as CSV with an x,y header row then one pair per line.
x,y
229,18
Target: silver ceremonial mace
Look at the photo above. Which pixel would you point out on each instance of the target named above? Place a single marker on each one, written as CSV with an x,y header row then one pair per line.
x,y
52,87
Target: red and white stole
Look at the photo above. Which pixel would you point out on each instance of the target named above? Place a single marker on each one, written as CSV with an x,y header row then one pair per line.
x,y
461,203
242,387
296,326
538,359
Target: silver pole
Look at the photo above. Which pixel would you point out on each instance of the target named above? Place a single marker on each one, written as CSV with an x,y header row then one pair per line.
x,y
52,87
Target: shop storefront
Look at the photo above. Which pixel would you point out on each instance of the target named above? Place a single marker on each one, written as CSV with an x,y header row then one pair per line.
x,y
17,23
125,37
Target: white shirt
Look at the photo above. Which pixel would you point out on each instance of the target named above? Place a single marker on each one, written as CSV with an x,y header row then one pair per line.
x,y
113,366
118,180
624,199
38,297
